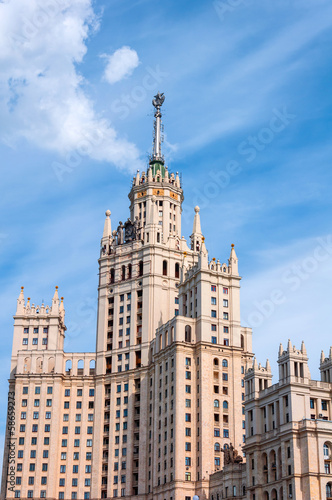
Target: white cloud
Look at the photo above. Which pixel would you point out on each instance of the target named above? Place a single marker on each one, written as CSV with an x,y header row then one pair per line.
x,y
41,95
120,64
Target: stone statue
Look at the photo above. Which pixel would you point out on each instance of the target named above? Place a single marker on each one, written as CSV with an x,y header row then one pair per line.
x,y
136,227
120,233
129,231
231,455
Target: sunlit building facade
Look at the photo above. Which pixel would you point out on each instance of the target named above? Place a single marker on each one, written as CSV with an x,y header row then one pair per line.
x,y
148,414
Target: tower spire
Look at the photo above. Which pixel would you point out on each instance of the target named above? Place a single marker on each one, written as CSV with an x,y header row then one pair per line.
x,y
157,157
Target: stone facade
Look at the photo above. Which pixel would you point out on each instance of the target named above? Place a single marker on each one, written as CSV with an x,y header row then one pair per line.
x,y
147,415
288,434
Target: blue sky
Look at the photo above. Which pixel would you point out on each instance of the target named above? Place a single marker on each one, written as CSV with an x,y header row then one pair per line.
x,y
247,122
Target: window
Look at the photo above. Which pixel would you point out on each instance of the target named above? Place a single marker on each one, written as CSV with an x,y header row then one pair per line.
x,y
213,340
216,403
188,389
324,404
225,315
188,476
177,270
224,363
164,268
213,328
25,341
213,313
226,433
213,301
326,451
225,303
67,392
225,290
225,405
213,288
226,329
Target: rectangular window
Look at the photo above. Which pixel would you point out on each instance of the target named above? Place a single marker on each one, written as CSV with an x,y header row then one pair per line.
x,y
225,303
213,340
213,313
213,328
225,290
213,301
225,315
213,288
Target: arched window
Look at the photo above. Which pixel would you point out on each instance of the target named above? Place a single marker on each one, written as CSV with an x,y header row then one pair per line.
x,y
328,491
224,363
177,270
216,361
216,447
112,276
80,367
123,273
216,403
225,405
92,367
187,334
129,271
140,268
326,450
164,267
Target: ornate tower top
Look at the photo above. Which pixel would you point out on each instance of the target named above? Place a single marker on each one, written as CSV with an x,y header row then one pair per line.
x,y
157,157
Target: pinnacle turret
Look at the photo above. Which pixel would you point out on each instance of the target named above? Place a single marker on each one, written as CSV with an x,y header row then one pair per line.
x,y
20,302
233,261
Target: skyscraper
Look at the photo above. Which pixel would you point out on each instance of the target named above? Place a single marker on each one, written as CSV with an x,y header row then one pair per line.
x,y
149,413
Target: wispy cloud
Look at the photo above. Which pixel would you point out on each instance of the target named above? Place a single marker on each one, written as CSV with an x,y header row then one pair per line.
x,y
42,99
120,64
